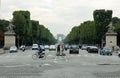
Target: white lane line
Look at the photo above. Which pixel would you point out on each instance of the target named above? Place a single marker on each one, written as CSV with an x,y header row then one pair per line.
x,y
79,55
16,65
46,64
85,55
50,55
55,61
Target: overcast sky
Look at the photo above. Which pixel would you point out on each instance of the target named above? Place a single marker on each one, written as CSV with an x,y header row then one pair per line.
x,y
59,16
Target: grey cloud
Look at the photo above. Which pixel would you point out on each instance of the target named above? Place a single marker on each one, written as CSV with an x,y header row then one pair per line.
x,y
59,15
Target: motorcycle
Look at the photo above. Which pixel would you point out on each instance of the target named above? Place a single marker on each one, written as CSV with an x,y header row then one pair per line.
x,y
119,54
23,49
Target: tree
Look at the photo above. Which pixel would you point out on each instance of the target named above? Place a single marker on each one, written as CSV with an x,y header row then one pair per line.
x,y
102,18
35,30
21,21
84,33
30,31
116,24
3,28
115,20
87,32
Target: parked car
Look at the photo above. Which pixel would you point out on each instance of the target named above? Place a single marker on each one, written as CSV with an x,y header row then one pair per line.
x,y
84,47
46,47
92,49
52,47
74,49
106,51
13,49
35,47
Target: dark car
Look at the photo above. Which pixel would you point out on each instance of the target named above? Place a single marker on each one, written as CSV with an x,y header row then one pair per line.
x,y
74,49
106,51
92,49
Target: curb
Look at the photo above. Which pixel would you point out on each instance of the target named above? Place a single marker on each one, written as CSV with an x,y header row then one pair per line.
x,y
2,51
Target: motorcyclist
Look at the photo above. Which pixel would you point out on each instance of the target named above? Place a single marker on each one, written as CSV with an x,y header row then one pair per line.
x,y
23,49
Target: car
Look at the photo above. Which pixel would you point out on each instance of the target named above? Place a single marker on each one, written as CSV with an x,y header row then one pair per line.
x,y
13,49
46,47
52,47
119,54
35,47
92,49
66,47
106,51
84,47
74,49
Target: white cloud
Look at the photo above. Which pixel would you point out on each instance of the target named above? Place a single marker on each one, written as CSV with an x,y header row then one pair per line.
x,y
59,15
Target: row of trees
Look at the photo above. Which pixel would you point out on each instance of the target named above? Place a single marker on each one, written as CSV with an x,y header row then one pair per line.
x,y
3,25
92,32
84,33
30,31
116,24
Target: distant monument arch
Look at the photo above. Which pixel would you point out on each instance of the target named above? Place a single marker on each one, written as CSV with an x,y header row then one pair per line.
x,y
60,37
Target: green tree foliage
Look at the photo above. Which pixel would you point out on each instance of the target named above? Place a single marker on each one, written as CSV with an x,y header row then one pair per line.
x,y
84,33
116,24
115,20
102,18
87,32
91,32
45,36
29,31
73,36
3,28
21,21
35,25
3,25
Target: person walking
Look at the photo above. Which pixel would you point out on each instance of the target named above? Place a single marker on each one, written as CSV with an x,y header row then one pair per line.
x,y
58,50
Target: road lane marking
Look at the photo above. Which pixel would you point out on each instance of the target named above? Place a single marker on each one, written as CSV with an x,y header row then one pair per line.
x,y
22,65
46,64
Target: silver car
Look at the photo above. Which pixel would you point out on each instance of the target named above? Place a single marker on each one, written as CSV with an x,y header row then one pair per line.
x,y
13,49
106,51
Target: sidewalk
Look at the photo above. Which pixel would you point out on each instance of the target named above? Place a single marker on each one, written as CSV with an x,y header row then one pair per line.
x,y
1,51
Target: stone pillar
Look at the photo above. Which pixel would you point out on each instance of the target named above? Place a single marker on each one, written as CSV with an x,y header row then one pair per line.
x,y
9,40
111,39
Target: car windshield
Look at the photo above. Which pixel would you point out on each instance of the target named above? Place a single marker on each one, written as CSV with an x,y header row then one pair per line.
x,y
74,46
13,47
107,48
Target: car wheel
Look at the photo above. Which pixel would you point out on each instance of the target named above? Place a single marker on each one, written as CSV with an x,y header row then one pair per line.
x,y
110,54
118,55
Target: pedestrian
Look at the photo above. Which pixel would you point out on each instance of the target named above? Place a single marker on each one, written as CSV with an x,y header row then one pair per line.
x,y
58,50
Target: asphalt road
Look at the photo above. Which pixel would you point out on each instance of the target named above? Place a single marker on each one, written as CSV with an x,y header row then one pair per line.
x,y
82,65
